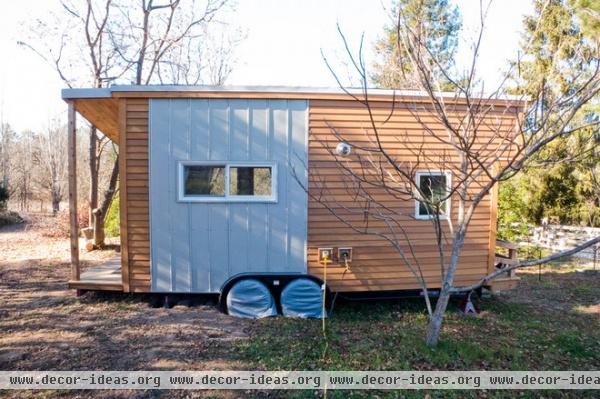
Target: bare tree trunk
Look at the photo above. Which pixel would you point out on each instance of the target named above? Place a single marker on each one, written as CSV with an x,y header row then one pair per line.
x,y
98,228
5,173
434,327
56,196
55,205
4,148
93,166
101,213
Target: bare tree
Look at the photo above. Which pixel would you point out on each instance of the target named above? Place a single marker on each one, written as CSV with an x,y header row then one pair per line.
x,y
219,54
122,41
7,136
50,156
4,144
81,28
21,170
475,149
153,36
210,61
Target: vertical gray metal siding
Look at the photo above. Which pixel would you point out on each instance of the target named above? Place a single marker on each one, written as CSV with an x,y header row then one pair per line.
x,y
196,247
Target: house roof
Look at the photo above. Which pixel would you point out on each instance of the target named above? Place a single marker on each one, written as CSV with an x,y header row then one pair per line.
x,y
100,105
152,91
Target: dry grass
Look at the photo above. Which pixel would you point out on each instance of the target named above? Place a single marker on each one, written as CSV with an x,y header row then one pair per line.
x,y
552,323
45,326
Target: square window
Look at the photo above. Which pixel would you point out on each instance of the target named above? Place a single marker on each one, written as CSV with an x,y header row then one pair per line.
x,y
250,180
204,180
434,187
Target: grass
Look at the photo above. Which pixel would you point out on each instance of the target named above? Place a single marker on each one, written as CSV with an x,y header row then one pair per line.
x,y
512,333
112,223
388,335
547,324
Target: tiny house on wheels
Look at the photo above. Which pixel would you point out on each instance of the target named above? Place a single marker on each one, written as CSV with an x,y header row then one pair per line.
x,y
213,199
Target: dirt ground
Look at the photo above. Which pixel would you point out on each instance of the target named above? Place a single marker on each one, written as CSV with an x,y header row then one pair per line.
x,y
45,326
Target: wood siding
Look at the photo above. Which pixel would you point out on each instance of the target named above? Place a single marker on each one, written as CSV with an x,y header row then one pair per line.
x,y
135,215
102,113
376,264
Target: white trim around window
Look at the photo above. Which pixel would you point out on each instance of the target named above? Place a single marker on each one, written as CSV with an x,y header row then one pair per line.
x,y
448,202
227,197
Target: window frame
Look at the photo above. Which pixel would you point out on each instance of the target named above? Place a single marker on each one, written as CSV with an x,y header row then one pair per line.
x,y
182,197
418,175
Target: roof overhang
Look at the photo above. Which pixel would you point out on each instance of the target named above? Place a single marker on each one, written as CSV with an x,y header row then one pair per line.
x,y
100,105
157,91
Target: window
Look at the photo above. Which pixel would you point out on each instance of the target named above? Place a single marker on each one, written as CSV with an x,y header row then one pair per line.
x,y
434,186
201,180
227,182
248,180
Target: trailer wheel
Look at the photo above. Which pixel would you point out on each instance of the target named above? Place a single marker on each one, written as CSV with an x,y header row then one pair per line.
x,y
302,298
250,298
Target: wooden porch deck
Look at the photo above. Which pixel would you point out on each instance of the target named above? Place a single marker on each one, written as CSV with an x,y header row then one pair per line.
x,y
104,277
510,281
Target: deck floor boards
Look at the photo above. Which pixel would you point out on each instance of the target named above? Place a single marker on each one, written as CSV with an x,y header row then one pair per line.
x,y
106,276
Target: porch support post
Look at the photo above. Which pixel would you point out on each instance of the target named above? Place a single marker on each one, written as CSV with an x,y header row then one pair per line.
x,y
72,164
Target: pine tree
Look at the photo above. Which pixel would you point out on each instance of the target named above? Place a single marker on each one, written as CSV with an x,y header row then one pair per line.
x,y
588,13
559,47
436,22
555,49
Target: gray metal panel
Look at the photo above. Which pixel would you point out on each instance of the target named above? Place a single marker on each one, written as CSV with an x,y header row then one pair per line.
x,y
196,247
86,93
298,160
160,223
199,220
181,269
278,216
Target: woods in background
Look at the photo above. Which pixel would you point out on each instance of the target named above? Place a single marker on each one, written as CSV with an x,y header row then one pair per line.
x,y
554,53
183,42
34,167
563,185
103,42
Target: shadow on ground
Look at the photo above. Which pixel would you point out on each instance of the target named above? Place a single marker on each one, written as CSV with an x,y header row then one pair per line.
x,y
45,326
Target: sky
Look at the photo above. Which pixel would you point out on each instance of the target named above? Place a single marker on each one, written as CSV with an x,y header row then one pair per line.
x,y
283,43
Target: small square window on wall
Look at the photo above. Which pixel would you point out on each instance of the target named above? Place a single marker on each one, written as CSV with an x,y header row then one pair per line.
x,y
250,180
227,182
434,188
203,180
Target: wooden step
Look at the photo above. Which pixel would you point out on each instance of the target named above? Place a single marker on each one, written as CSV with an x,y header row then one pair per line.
x,y
95,285
503,284
506,261
506,244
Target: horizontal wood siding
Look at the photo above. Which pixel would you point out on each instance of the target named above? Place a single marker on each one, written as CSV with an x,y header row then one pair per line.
x,y
136,208
376,265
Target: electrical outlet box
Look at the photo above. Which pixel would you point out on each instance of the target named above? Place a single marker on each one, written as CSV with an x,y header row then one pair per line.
x,y
344,254
325,255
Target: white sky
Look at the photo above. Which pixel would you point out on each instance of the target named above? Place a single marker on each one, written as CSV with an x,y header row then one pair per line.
x,y
282,47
